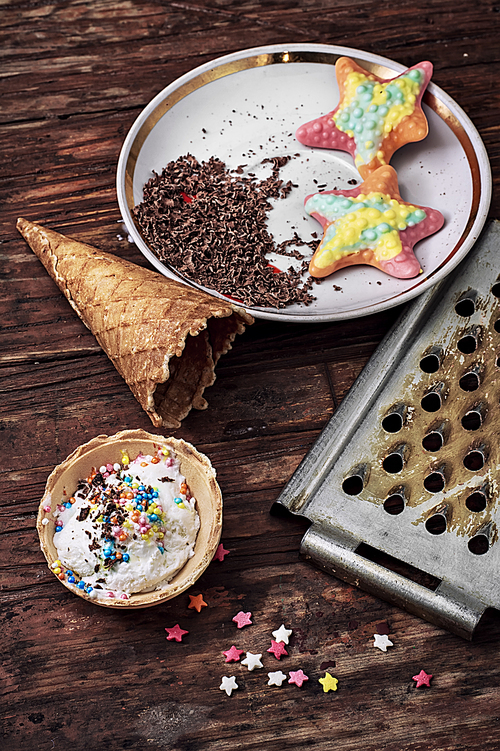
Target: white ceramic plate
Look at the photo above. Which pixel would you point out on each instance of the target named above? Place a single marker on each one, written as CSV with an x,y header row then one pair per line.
x,y
245,107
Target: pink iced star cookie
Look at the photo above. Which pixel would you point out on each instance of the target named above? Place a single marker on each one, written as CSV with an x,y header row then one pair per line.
x,y
233,654
277,648
242,619
423,679
370,224
374,117
298,677
175,633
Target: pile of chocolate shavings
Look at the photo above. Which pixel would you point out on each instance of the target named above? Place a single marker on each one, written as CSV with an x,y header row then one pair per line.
x,y
210,225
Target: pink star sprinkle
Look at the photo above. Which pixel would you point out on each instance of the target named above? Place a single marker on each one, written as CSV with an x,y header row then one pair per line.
x,y
220,553
298,677
233,654
277,648
242,619
423,679
175,633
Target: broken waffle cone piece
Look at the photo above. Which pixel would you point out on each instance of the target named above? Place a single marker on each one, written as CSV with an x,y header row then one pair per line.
x,y
163,337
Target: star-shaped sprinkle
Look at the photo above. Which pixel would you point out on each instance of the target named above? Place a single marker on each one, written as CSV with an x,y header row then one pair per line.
x,y
423,679
175,633
196,602
220,553
233,654
252,661
298,677
282,634
242,619
329,683
276,678
228,684
372,225
382,641
277,648
374,117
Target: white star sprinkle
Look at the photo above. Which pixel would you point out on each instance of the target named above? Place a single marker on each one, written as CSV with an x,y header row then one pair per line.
x,y
382,641
228,684
282,634
252,661
276,679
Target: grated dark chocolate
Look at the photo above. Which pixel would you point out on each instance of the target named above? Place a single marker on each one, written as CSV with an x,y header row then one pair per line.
x,y
210,225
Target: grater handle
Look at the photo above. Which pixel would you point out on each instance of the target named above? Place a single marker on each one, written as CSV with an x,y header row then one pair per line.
x,y
446,606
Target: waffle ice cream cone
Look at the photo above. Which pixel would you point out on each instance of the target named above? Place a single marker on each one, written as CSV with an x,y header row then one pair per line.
x,y
163,337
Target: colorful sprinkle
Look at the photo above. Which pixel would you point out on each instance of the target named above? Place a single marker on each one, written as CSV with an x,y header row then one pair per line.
x,y
233,654
175,633
252,661
382,641
422,679
197,602
298,677
282,634
276,678
228,684
329,683
220,553
277,649
242,619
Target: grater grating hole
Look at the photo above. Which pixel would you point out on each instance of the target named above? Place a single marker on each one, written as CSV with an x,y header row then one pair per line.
x,y
466,306
433,441
353,485
395,460
495,290
436,524
496,325
476,501
431,361
431,402
473,419
434,482
392,423
394,504
467,344
474,460
479,545
469,381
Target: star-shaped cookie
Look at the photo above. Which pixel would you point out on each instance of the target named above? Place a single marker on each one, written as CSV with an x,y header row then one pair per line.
x,y
370,224
374,117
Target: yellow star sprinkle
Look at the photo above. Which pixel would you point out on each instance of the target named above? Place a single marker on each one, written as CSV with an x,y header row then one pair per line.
x,y
329,683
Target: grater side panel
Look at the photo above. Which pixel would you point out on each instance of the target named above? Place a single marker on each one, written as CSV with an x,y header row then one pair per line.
x,y
410,463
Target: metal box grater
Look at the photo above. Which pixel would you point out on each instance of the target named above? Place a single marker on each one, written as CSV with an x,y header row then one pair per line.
x,y
409,464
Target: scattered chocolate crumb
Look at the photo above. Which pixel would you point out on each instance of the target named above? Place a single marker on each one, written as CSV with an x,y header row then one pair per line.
x,y
166,479
215,232
84,512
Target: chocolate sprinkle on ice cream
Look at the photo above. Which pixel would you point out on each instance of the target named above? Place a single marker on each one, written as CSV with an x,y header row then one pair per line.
x,y
210,225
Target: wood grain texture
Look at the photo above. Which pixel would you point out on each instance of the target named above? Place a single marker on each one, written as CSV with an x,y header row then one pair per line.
x,y
74,76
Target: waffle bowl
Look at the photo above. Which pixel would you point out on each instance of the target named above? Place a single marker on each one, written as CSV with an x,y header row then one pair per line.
x,y
200,477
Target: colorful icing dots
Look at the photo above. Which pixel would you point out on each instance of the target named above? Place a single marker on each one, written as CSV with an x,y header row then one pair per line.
x,y
370,224
375,116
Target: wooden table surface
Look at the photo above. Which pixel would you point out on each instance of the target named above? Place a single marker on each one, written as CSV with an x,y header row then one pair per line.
x,y
74,76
